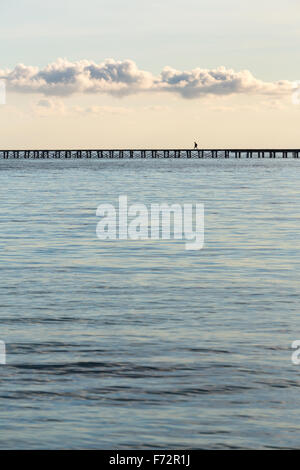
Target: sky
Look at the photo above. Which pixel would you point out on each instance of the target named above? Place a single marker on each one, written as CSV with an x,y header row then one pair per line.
x,y
116,74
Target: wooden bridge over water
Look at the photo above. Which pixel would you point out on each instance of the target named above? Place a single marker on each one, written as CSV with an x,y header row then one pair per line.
x,y
148,153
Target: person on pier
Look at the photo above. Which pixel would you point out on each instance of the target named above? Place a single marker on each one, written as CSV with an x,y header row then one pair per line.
x,y
195,146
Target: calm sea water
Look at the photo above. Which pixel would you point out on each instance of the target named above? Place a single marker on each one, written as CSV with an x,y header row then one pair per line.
x,y
142,344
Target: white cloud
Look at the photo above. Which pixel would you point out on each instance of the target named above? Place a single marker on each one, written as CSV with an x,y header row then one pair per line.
x,y
95,110
48,107
53,106
220,81
121,78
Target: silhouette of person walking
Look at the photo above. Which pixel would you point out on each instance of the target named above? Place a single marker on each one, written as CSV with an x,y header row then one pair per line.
x,y
195,145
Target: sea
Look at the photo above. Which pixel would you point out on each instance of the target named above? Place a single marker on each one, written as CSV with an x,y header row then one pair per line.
x,y
143,344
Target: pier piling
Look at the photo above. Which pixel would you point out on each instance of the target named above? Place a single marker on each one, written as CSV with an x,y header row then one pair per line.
x,y
149,153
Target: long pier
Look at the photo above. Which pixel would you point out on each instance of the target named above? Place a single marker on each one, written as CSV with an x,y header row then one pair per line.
x,y
149,153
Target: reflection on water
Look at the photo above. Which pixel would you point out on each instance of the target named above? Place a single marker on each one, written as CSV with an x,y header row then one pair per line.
x,y
142,344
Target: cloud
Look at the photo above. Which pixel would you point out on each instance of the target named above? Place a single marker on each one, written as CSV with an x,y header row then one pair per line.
x,y
53,106
48,107
121,78
96,110
220,81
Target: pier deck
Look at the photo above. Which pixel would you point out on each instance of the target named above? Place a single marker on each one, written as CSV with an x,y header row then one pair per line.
x,y
149,153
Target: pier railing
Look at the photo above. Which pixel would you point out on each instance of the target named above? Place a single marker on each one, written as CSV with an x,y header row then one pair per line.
x,y
149,153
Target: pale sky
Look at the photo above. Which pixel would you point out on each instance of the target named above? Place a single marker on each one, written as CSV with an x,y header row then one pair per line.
x,y
217,71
